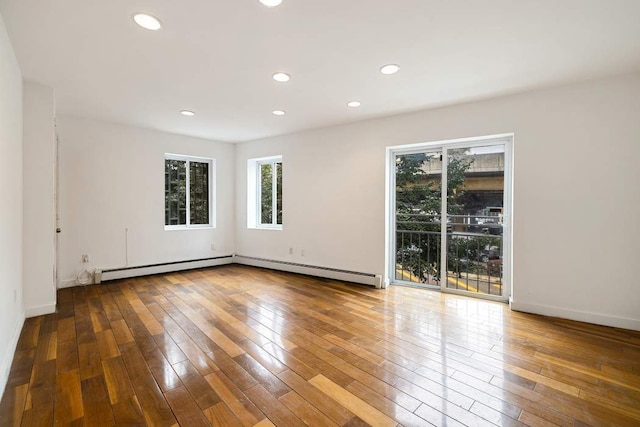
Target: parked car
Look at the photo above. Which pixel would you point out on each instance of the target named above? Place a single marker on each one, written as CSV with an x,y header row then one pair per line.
x,y
489,255
494,267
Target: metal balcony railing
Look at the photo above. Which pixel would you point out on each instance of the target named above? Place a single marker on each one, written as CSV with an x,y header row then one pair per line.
x,y
474,252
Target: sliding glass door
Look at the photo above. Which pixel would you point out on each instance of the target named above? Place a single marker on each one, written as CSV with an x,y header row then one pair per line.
x,y
449,216
418,210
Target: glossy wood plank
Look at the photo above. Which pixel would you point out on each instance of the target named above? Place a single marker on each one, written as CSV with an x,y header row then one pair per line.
x,y
386,406
244,346
272,383
290,361
155,408
198,358
150,322
356,405
47,340
107,345
273,408
220,415
13,405
170,350
163,372
90,361
43,384
196,384
40,415
264,423
69,397
582,410
246,411
213,333
305,410
185,408
21,368
121,332
30,332
338,413
97,409
533,420
627,380
126,409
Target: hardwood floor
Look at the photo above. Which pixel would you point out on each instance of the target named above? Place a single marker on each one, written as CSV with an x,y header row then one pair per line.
x,y
243,346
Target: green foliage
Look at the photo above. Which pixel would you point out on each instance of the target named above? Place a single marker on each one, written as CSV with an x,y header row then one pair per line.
x,y
418,208
199,192
414,191
266,193
175,192
456,170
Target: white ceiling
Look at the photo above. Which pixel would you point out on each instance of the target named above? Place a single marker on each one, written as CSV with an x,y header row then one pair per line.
x,y
216,57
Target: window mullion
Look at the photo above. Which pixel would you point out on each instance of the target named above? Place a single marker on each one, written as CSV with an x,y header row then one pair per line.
x,y
274,194
259,193
188,192
444,200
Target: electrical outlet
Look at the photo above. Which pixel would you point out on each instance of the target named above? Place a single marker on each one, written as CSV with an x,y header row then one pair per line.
x,y
15,295
85,258
213,247
290,251
301,252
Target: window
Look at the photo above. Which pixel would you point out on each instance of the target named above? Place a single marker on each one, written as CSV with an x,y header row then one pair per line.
x,y
264,192
188,201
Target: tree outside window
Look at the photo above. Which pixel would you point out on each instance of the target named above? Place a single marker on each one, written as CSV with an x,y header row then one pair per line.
x,y
188,196
270,193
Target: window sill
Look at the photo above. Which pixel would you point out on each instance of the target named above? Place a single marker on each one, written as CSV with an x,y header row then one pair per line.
x,y
183,228
267,227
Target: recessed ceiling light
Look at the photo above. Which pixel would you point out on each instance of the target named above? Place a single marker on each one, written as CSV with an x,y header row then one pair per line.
x,y
147,21
353,104
281,77
187,113
279,112
271,3
389,69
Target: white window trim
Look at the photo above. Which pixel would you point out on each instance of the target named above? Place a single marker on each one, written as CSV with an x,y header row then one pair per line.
x,y
212,192
254,199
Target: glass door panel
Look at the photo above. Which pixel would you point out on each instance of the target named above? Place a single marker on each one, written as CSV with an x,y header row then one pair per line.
x,y
475,212
418,213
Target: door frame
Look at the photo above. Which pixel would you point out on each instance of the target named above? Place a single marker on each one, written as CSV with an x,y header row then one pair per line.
x,y
390,203
56,208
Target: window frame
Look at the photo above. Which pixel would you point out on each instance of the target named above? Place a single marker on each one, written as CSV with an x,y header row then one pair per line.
x,y
254,192
211,190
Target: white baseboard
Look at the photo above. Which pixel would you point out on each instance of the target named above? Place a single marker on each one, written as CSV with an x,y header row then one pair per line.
x,y
127,272
40,310
9,352
70,283
145,270
581,316
311,270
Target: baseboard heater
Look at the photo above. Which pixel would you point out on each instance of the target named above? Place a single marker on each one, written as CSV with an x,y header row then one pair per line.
x,y
165,267
312,270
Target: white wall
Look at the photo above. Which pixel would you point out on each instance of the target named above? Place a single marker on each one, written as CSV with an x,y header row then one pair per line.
x,y
39,204
576,198
112,179
11,308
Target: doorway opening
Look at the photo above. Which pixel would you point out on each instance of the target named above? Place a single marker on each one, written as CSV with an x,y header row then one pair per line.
x,y
449,216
